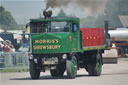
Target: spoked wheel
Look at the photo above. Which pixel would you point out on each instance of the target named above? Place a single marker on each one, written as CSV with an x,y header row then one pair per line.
x,y
71,66
34,72
59,71
96,69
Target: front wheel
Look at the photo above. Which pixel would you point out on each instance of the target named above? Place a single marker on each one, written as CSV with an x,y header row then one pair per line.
x,y
96,69
34,72
71,66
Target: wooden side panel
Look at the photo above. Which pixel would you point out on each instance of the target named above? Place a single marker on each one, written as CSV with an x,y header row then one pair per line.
x,y
93,36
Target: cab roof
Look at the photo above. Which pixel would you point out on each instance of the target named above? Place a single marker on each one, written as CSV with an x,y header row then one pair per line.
x,y
56,18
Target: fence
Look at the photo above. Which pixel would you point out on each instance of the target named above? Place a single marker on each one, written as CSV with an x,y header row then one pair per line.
x,y
13,60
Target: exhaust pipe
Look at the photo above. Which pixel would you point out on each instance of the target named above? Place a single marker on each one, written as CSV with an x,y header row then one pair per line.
x,y
47,14
106,29
108,41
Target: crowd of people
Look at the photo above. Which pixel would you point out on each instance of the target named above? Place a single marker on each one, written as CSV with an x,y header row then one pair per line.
x,y
6,46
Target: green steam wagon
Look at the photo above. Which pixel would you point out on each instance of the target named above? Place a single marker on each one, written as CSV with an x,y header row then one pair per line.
x,y
59,44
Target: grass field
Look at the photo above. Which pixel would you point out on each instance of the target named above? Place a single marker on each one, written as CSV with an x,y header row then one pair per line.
x,y
14,70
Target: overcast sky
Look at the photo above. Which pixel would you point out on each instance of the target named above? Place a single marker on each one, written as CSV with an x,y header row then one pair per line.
x,y
23,10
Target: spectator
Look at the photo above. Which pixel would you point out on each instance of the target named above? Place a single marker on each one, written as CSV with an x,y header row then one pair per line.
x,y
7,46
1,47
12,48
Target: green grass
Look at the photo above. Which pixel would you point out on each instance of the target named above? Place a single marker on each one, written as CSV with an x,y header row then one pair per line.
x,y
14,70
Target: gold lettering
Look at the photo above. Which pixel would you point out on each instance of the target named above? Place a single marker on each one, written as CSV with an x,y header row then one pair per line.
x,y
54,46
36,41
46,47
59,46
40,47
41,41
44,41
48,41
57,41
34,47
53,41
50,47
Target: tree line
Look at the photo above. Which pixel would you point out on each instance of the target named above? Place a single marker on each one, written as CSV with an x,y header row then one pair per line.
x,y
114,8
7,22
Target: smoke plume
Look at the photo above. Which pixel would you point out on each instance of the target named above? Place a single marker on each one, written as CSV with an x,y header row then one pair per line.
x,y
93,6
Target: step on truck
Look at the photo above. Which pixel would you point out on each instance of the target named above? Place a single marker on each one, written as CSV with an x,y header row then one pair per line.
x,y
59,44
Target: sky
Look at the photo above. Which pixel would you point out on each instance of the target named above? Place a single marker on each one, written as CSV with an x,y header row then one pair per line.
x,y
23,10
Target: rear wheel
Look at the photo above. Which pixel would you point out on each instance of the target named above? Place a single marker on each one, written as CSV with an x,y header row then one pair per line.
x,y
95,69
71,66
34,72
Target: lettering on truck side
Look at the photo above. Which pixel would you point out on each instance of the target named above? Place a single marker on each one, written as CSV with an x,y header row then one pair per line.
x,y
46,47
47,41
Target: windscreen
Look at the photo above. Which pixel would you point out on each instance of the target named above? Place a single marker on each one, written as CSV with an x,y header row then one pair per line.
x,y
59,27
50,27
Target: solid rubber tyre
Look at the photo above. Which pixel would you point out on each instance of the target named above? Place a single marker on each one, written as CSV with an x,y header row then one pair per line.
x,y
95,69
71,67
34,72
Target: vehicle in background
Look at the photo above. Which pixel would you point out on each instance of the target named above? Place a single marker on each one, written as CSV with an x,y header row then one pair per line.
x,y
120,39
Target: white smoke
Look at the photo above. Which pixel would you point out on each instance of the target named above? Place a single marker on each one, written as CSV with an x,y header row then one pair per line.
x,y
81,8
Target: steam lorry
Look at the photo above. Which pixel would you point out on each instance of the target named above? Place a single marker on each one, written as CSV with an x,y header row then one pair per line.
x,y
59,44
